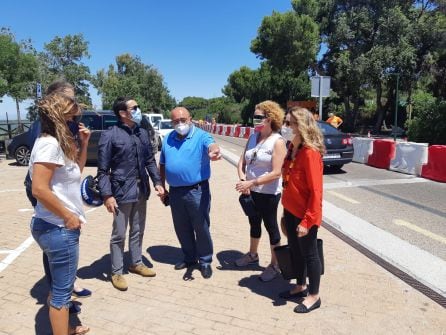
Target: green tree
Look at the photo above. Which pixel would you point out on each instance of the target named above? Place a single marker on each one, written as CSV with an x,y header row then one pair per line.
x,y
62,58
133,78
18,69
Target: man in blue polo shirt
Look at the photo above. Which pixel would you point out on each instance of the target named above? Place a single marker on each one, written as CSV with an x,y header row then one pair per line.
x,y
185,165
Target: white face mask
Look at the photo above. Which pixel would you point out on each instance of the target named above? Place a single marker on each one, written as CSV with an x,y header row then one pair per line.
x,y
182,129
287,133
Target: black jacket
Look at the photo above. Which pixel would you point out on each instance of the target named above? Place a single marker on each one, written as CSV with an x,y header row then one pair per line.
x,y
125,161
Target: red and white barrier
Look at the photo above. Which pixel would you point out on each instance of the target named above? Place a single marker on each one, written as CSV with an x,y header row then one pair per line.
x,y
363,147
409,157
435,168
383,153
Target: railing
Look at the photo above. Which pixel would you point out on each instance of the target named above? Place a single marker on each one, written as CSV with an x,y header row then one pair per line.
x,y
12,128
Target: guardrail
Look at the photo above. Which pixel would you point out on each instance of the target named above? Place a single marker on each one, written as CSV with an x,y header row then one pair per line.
x,y
407,157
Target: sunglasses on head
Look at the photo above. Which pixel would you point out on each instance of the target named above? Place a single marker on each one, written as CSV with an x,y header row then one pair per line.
x,y
259,117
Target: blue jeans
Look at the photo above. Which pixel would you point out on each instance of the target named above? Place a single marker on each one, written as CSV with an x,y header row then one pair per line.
x,y
190,208
61,246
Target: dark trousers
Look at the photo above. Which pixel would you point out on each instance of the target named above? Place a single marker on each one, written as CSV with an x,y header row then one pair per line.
x,y
304,253
266,206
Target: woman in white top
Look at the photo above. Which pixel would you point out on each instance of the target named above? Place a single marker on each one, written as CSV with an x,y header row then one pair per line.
x,y
55,169
259,170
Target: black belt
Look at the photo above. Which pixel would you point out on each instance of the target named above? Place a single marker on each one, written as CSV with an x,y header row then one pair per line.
x,y
190,187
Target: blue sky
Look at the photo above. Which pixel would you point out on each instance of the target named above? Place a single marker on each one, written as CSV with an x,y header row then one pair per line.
x,y
194,44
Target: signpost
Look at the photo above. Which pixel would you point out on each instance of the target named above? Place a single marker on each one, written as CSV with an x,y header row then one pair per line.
x,y
39,90
320,87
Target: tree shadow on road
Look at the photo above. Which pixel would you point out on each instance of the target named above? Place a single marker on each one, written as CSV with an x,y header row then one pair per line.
x,y
227,260
269,289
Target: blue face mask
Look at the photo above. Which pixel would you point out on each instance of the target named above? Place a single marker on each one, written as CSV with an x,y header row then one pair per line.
x,y
136,116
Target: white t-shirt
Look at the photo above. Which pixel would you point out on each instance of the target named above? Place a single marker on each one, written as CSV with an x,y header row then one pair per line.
x,y
259,161
66,181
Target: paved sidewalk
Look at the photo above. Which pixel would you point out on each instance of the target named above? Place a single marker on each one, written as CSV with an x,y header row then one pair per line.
x,y
358,296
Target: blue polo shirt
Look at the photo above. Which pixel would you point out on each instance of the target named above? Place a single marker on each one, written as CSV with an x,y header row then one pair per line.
x,y
186,160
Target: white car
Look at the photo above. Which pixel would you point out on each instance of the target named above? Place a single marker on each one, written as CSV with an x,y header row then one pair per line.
x,y
154,118
162,128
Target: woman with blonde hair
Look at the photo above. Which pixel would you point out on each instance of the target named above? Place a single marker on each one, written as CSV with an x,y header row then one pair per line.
x,y
55,168
302,175
259,171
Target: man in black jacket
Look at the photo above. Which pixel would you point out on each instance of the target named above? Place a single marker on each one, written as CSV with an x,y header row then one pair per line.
x,y
125,162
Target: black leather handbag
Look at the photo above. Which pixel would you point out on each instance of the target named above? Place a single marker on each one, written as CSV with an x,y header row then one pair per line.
x,y
286,264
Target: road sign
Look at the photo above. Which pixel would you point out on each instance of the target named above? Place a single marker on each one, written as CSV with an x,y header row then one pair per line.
x,y
320,87
320,84
39,91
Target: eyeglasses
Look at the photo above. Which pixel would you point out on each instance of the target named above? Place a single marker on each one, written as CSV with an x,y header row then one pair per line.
x,y
133,108
259,117
180,120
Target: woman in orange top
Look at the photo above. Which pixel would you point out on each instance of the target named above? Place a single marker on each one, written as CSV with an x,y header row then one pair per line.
x,y
302,202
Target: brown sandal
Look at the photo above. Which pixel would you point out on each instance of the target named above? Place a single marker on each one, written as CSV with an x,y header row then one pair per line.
x,y
79,330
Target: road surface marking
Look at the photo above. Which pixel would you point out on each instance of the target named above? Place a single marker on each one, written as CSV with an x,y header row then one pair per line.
x,y
5,251
421,265
359,183
420,230
26,210
15,253
12,190
343,197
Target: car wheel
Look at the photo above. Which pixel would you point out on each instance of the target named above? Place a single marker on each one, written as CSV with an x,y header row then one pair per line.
x,y
160,143
22,155
337,167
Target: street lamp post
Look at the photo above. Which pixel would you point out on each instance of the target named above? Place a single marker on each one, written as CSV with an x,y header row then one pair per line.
x,y
396,106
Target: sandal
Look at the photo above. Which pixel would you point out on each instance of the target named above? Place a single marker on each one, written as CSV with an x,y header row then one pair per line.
x,y
79,330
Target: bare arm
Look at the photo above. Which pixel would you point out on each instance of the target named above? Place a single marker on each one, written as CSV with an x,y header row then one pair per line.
x,y
84,134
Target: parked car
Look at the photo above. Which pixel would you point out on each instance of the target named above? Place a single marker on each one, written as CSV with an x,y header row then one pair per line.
x,y
154,118
162,128
339,146
97,121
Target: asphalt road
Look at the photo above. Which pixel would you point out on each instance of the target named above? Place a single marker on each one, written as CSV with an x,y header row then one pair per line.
x,y
413,209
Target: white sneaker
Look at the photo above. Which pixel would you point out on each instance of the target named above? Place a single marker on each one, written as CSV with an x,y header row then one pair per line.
x,y
271,272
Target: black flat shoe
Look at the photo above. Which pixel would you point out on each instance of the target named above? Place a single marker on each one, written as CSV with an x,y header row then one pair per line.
x,y
301,308
289,295
74,309
183,265
206,271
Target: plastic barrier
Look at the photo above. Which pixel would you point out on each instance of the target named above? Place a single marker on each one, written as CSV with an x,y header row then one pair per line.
x,y
248,132
383,153
242,132
219,129
409,157
228,130
435,168
237,131
362,149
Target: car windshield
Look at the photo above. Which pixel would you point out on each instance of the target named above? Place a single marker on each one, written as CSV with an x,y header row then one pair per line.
x,y
165,125
327,129
155,119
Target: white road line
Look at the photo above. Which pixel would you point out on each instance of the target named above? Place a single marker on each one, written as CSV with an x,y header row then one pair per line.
x,y
5,251
25,210
423,266
13,190
15,253
420,230
359,183
343,197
